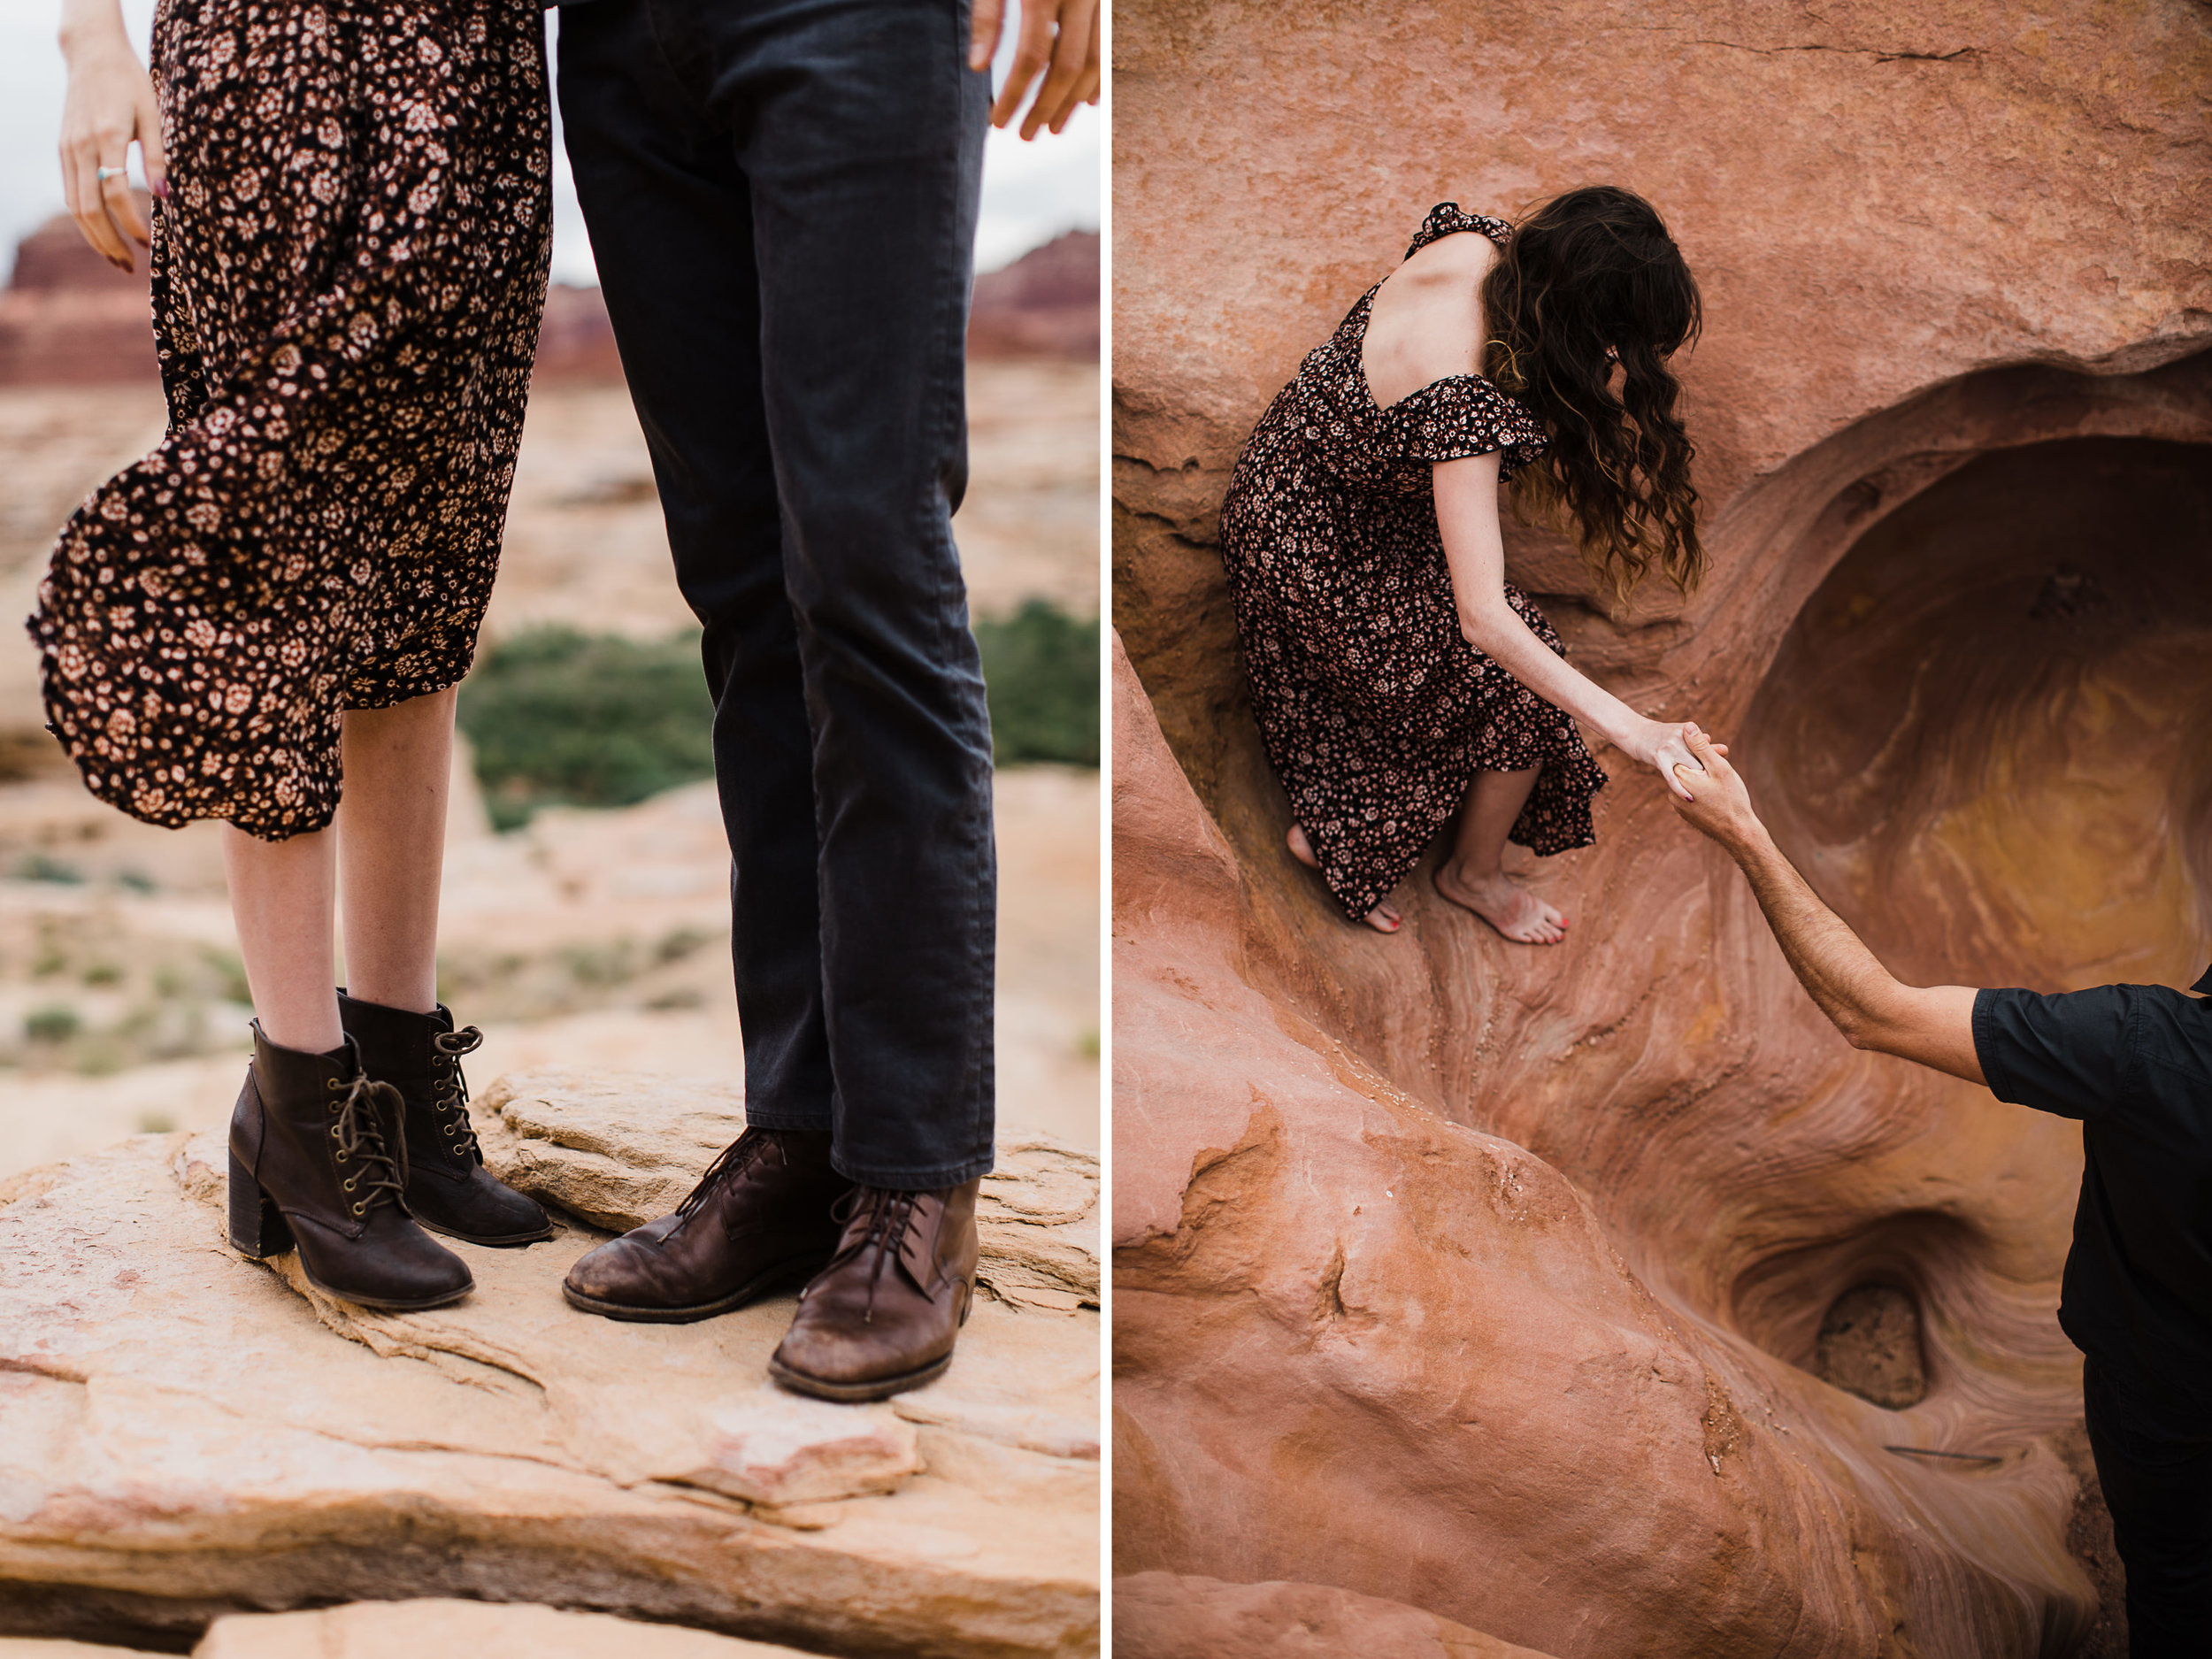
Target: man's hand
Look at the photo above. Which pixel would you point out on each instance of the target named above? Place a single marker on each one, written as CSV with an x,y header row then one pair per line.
x,y
1059,40
1718,803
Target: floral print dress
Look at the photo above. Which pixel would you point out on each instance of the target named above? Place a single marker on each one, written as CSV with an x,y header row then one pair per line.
x,y
347,276
1375,711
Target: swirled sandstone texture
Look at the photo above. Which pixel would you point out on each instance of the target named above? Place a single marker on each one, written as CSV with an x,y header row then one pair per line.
x,y
1601,1299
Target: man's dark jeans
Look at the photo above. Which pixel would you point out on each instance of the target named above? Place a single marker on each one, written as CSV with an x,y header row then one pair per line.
x,y
782,196
2159,1491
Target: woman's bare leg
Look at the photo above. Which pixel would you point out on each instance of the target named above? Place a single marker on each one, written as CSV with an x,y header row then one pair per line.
x,y
280,894
1472,874
1382,918
391,849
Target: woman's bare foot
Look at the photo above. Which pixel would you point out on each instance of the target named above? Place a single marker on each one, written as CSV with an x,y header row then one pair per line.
x,y
1382,918
1504,903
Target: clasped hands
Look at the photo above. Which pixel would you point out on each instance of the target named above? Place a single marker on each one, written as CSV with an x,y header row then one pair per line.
x,y
1705,789
1713,800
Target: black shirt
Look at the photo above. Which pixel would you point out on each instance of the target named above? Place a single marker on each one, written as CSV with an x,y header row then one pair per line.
x,y
2134,1064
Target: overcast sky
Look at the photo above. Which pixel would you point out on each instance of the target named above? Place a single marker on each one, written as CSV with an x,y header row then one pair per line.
x,y
1031,192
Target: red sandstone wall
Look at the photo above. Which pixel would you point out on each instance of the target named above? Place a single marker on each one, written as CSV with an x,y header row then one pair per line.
x,y
1930,237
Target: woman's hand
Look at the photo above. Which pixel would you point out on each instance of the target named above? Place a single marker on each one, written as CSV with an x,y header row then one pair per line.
x,y
110,102
1665,745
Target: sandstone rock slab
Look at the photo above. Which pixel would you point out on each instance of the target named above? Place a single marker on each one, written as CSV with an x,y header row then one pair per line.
x,y
185,1433
621,1153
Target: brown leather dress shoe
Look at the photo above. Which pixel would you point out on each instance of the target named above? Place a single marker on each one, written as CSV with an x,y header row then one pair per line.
x,y
882,1317
760,1220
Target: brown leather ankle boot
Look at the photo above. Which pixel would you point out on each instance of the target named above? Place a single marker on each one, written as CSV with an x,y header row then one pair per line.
x,y
448,1188
882,1317
317,1160
759,1221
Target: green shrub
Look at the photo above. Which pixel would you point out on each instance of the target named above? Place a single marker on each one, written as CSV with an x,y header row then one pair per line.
x,y
559,717
46,867
1041,671
556,716
56,1023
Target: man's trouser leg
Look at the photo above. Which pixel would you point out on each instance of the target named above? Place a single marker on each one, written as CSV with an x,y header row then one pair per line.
x,y
782,202
2159,1496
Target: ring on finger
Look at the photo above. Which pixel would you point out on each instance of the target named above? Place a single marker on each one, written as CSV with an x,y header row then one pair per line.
x,y
104,174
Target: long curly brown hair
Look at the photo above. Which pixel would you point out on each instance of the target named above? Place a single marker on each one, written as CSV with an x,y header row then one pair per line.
x,y
1589,276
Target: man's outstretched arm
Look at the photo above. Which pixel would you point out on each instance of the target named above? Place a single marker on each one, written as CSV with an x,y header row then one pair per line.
x,y
1934,1025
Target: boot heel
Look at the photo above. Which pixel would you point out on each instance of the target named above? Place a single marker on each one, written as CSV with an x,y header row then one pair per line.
x,y
257,1228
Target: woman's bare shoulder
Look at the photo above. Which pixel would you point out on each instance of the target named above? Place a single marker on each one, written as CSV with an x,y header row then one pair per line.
x,y
1464,253
1427,317
1443,278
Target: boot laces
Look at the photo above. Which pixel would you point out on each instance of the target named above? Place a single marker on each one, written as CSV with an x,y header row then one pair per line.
x,y
885,1213
732,1160
357,1127
452,1086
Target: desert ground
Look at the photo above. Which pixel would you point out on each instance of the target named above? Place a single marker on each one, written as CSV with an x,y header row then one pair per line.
x,y
594,940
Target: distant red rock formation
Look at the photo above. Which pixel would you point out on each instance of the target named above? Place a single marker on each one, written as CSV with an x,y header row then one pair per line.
x,y
1044,304
69,318
56,258
576,341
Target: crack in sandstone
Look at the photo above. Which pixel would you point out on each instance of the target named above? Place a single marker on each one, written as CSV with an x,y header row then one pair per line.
x,y
11,1364
1880,55
1875,52
1331,1307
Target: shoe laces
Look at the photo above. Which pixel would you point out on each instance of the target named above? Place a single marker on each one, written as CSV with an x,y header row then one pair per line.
x,y
452,1087
357,1125
885,1213
732,1160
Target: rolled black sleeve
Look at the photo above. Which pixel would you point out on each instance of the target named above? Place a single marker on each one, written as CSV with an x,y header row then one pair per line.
x,y
2066,1054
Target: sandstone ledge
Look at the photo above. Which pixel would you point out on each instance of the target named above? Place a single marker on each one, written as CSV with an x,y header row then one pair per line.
x,y
184,1434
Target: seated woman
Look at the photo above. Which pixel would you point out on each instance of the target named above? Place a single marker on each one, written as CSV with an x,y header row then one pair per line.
x,y
1400,682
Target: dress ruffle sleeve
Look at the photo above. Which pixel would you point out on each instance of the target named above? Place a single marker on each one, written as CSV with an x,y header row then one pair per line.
x,y
1465,415
1446,219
